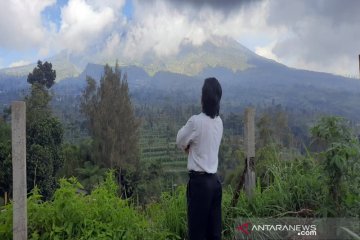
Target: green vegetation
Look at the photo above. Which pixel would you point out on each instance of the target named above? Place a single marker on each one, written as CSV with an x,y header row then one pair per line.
x,y
297,188
5,159
124,178
113,126
340,159
44,132
73,215
64,68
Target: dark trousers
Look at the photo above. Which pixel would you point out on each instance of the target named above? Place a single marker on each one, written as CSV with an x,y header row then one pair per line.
x,y
204,193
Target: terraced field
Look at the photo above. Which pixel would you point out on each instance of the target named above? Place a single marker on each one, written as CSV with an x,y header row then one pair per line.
x,y
159,127
158,144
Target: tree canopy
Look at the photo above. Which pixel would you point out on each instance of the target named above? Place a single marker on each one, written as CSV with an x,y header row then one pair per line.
x,y
44,132
42,74
112,123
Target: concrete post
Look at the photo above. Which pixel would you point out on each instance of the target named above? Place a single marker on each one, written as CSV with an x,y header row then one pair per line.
x,y
249,137
18,128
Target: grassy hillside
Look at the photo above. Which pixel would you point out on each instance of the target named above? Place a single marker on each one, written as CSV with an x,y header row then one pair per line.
x,y
64,69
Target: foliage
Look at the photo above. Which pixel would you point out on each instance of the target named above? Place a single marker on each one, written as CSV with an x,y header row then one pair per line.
x,y
73,215
44,158
273,128
44,132
151,183
112,124
43,74
169,215
231,158
233,122
297,189
72,160
265,157
90,175
340,155
5,158
288,184
294,186
79,162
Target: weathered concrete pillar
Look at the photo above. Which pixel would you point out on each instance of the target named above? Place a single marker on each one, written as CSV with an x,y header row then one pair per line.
x,y
249,140
18,128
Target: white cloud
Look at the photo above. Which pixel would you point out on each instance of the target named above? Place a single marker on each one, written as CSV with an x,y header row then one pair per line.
x,y
321,35
19,63
267,51
151,30
111,48
113,4
20,23
304,34
84,24
160,27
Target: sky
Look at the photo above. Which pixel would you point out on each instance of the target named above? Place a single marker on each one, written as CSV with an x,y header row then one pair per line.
x,y
320,35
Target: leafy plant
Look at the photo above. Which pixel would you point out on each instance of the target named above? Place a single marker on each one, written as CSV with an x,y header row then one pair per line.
x,y
339,150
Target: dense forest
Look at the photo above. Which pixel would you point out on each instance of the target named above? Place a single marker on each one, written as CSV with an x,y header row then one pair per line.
x,y
104,165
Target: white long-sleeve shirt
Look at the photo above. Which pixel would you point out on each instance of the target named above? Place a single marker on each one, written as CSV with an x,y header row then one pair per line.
x,y
203,134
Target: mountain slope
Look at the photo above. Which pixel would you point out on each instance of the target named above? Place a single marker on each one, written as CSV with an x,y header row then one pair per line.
x,y
247,79
191,60
61,63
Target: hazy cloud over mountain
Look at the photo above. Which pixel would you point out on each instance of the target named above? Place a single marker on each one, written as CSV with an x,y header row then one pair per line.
x,y
312,34
321,34
163,26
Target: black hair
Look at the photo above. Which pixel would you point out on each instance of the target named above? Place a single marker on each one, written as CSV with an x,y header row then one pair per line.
x,y
211,96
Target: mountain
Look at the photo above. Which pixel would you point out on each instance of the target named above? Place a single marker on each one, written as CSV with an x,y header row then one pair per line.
x,y
192,60
65,68
246,78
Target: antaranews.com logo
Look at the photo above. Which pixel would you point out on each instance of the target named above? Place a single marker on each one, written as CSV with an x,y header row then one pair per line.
x,y
296,228
301,229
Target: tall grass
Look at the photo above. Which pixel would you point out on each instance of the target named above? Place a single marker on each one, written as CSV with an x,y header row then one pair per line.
x,y
169,214
296,188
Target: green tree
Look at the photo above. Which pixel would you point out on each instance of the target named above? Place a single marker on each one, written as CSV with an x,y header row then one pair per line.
x,y
44,132
75,156
235,123
339,151
274,128
5,158
43,74
91,175
265,130
112,125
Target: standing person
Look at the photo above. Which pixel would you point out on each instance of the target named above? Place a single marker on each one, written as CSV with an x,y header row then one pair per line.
x,y
200,138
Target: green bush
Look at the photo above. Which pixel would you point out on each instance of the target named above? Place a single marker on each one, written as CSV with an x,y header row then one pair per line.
x,y
73,215
169,214
297,187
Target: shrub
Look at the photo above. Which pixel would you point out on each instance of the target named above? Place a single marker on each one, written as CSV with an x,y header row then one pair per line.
x,y
73,215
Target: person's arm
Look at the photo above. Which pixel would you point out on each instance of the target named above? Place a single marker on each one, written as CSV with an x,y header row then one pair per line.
x,y
186,135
